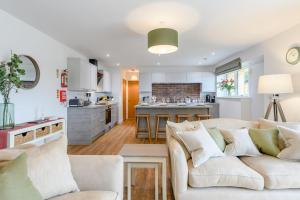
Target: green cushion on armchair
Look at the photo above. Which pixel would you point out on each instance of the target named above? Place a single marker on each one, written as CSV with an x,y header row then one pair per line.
x,y
14,182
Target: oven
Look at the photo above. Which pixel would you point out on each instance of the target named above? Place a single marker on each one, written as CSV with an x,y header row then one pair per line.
x,y
108,114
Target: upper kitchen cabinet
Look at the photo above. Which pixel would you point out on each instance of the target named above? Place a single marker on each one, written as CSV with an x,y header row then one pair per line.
x,y
145,83
82,76
209,82
158,77
207,79
106,81
176,77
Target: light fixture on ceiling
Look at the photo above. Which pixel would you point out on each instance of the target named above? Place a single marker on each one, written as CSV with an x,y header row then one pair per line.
x,y
107,55
118,64
162,41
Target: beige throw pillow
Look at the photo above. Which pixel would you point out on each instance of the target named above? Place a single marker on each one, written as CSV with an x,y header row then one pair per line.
x,y
239,143
292,138
48,167
199,144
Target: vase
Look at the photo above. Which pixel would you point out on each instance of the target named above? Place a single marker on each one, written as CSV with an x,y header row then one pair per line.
x,y
229,93
7,115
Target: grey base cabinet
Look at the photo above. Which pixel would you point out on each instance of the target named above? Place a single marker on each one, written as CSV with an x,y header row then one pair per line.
x,y
85,124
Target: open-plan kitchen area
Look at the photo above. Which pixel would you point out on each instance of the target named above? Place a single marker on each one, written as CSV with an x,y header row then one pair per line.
x,y
149,100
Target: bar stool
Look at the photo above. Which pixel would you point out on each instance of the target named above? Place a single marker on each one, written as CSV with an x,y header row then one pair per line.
x,y
157,120
202,117
147,129
179,117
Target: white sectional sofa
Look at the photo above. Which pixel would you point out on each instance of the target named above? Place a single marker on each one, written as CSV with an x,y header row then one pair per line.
x,y
189,184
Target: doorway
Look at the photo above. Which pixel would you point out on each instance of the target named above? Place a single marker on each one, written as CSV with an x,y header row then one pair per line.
x,y
133,97
124,86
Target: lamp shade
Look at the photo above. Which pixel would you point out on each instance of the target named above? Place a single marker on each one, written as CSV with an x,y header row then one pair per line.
x,y
275,84
162,41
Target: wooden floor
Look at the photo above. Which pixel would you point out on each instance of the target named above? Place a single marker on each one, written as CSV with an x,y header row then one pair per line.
x,y
110,144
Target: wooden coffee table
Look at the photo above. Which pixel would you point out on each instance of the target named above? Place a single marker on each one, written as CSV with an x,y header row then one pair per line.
x,y
146,156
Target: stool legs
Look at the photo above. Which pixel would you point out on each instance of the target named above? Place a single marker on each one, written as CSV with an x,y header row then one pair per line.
x,y
149,129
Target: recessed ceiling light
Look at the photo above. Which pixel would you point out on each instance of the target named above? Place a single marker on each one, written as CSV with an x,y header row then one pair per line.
x,y
213,53
200,62
158,63
107,55
118,64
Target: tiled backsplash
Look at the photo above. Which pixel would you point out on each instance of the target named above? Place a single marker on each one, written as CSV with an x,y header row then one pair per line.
x,y
176,90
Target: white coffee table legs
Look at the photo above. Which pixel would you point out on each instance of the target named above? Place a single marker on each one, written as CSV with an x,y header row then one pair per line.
x,y
164,179
131,166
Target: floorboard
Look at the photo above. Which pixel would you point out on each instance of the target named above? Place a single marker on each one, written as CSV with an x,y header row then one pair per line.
x,y
110,144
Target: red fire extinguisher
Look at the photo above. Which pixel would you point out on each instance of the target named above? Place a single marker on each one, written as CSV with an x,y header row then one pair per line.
x,y
62,96
64,78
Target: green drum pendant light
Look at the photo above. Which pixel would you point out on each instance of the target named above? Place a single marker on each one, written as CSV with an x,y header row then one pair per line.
x,y
162,41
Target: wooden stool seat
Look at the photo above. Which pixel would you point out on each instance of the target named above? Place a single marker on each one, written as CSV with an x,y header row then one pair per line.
x,y
182,116
148,127
157,120
202,117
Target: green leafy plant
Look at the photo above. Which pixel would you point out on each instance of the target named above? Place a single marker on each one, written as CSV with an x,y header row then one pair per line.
x,y
227,85
10,73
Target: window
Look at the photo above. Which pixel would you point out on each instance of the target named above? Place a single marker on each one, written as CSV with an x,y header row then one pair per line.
x,y
234,83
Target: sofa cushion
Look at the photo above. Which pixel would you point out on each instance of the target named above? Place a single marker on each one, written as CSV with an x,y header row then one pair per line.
x,y
265,123
88,195
224,171
218,137
200,145
278,174
14,182
48,167
292,138
266,140
239,143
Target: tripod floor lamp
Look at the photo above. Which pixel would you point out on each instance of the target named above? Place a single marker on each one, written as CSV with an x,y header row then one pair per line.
x,y
275,84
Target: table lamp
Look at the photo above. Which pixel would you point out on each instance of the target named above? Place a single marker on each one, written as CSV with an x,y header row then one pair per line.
x,y
275,84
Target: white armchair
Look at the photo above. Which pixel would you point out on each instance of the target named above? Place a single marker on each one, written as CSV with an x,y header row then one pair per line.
x,y
97,173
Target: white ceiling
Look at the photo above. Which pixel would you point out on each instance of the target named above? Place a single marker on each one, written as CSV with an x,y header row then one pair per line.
x,y
119,27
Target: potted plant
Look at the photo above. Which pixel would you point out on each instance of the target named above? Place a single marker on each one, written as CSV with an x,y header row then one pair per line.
x,y
10,73
227,85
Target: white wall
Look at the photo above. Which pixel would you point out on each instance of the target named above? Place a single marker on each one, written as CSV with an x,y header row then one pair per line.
x,y
273,52
49,54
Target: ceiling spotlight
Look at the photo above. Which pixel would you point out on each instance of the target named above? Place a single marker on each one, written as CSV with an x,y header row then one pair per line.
x,y
200,62
213,53
107,55
158,63
118,64
162,41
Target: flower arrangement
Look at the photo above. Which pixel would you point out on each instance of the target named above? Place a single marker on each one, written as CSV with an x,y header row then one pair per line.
x,y
227,84
10,79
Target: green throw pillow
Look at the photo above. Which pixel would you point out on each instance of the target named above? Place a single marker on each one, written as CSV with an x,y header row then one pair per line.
x,y
14,182
218,137
266,140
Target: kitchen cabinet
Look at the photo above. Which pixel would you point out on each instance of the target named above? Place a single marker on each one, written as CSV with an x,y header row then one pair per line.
x,y
82,76
176,77
158,77
145,82
208,80
106,81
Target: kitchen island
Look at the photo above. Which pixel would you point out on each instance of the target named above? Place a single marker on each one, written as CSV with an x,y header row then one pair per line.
x,y
172,110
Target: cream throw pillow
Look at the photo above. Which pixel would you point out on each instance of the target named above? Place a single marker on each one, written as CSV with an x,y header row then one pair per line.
x,y
239,143
48,167
292,138
200,145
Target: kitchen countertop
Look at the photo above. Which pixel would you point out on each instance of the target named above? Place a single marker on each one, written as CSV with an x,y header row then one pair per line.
x,y
174,106
92,106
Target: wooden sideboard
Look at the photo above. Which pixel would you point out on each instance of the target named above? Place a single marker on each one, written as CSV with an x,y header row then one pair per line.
x,y
31,133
